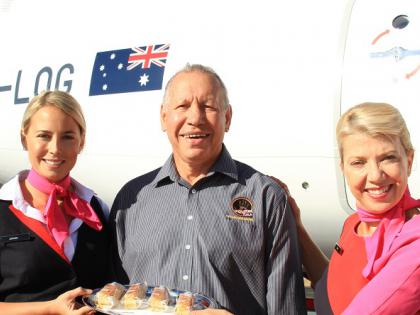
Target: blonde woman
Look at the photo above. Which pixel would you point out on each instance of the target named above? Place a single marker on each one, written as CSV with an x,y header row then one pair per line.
x,y
54,234
375,267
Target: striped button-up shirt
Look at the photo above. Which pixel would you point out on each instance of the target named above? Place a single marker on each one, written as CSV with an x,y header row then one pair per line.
x,y
231,236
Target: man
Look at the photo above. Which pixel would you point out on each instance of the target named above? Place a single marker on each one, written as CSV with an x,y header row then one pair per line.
x,y
204,222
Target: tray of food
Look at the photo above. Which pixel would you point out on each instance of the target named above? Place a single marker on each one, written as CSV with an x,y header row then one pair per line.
x,y
141,299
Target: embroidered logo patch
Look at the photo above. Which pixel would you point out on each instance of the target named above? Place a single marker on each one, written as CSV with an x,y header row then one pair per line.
x,y
241,208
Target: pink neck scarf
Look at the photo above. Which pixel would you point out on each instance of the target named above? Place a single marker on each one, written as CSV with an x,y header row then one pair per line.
x,y
72,206
379,247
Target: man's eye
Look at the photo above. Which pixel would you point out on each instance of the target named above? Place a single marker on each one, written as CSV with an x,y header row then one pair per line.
x,y
390,158
210,108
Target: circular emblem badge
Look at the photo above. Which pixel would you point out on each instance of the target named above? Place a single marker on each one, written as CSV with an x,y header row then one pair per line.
x,y
242,207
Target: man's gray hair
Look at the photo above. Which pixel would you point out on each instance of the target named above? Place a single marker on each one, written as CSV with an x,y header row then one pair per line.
x,y
203,69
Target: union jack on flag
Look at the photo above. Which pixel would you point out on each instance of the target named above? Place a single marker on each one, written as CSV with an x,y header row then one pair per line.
x,y
147,55
126,70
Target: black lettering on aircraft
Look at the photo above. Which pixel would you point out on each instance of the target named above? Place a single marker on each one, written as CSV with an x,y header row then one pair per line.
x,y
43,82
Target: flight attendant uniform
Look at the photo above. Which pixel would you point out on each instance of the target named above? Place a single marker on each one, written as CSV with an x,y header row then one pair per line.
x,y
32,265
343,279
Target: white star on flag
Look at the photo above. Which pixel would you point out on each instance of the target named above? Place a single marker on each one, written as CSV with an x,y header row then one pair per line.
x,y
144,79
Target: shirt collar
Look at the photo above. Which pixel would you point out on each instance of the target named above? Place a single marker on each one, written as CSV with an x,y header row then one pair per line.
x,y
224,165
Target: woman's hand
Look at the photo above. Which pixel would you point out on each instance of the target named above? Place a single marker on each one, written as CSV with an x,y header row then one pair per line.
x,y
211,311
313,258
66,304
292,202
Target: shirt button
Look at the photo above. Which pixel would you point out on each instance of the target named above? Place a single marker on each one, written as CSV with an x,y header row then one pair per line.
x,y
193,191
187,246
190,217
185,277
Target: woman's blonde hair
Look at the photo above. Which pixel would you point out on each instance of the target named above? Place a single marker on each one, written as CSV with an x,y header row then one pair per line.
x,y
375,120
59,99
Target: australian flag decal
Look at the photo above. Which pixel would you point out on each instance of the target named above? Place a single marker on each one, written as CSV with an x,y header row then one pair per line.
x,y
129,70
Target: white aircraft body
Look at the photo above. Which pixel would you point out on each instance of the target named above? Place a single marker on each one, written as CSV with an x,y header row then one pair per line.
x,y
291,68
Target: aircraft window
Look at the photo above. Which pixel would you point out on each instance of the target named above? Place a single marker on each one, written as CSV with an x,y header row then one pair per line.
x,y
401,21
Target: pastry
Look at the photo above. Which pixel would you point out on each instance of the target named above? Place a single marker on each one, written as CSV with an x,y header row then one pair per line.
x,y
159,299
110,295
184,303
134,296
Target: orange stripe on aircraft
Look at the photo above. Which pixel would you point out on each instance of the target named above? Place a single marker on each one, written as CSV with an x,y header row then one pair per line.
x,y
379,36
412,73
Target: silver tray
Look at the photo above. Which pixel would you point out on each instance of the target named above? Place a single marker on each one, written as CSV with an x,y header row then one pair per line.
x,y
201,302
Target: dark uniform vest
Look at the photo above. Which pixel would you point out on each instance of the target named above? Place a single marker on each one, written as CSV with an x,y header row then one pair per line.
x,y
32,270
